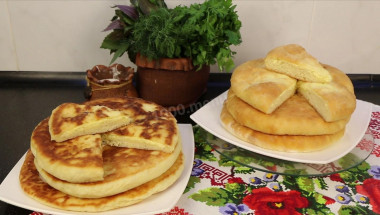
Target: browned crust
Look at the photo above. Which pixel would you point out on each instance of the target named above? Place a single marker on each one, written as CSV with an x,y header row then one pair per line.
x,y
63,151
37,189
58,119
152,121
285,143
294,117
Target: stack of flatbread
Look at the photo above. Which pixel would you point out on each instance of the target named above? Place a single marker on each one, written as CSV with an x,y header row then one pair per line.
x,y
103,154
288,102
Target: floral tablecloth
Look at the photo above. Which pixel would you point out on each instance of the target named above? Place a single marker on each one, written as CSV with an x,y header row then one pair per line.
x,y
220,186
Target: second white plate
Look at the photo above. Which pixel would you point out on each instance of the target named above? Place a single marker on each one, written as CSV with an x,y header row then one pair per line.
x,y
208,118
11,192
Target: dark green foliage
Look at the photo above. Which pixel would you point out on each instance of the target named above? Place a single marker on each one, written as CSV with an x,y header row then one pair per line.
x,y
211,28
203,32
203,149
157,35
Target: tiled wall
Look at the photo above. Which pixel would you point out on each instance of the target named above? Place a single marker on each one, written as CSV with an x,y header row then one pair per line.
x,y
65,35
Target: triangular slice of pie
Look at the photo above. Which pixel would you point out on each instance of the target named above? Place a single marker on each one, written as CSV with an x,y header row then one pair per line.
x,y
71,120
153,127
263,89
294,61
157,134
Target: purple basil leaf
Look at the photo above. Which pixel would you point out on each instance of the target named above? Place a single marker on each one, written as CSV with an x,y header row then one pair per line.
x,y
116,24
130,11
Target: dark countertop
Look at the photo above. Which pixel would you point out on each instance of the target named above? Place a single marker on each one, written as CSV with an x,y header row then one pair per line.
x,y
29,97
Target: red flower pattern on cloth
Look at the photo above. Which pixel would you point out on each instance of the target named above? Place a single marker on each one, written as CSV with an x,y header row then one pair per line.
x,y
374,124
371,189
375,115
366,144
376,151
329,200
216,176
236,180
267,202
37,213
336,177
375,134
175,211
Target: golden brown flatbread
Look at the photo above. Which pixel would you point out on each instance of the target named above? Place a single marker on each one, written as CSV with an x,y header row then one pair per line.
x,y
153,127
79,159
70,120
283,143
334,100
263,89
76,160
124,169
340,78
37,189
294,61
294,117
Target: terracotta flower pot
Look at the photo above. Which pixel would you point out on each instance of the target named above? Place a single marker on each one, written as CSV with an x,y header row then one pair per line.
x,y
113,81
172,83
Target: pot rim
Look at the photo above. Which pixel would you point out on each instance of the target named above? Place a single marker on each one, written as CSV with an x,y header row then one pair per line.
x,y
115,74
182,64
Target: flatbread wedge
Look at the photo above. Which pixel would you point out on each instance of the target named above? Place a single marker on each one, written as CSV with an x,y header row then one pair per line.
x,y
294,117
334,100
263,89
70,120
294,61
156,134
153,127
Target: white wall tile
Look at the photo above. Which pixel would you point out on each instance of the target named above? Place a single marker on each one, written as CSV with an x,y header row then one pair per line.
x,y
61,35
267,24
8,60
346,34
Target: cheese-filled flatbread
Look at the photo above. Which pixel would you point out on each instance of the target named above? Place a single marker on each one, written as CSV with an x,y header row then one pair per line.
x,y
153,127
334,100
76,160
263,89
294,61
124,169
283,143
71,120
32,184
294,117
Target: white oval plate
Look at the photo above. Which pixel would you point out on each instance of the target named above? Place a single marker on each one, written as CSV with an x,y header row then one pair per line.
x,y
208,118
11,192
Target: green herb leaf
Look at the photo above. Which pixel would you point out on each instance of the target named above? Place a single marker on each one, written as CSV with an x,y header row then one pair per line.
x,y
191,184
211,196
112,41
120,51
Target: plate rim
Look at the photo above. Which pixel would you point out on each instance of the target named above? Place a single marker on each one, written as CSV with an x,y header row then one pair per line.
x,y
188,146
308,164
218,102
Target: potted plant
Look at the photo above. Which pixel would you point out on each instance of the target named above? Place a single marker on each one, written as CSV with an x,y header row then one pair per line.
x,y
174,47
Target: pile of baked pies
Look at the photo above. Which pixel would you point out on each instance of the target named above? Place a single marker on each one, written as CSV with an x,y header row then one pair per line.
x,y
288,102
103,154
